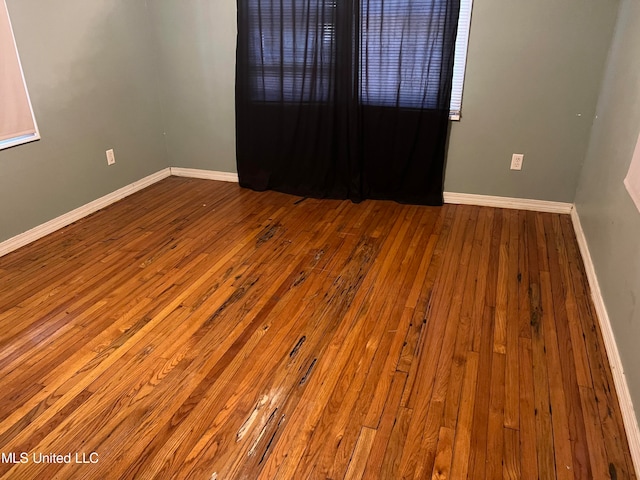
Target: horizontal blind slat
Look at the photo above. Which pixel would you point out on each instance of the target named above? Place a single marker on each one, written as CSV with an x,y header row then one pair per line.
x,y
462,42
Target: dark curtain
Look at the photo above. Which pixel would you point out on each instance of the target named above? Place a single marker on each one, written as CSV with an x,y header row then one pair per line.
x,y
345,98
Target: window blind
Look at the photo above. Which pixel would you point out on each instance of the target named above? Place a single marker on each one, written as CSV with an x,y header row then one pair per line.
x,y
287,54
632,181
462,41
400,59
17,124
291,62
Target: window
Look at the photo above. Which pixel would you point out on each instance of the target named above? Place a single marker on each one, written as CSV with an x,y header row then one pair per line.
x,y
286,57
632,181
17,123
460,62
393,72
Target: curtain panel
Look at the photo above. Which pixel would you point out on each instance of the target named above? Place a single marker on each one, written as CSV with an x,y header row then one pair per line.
x,y
345,99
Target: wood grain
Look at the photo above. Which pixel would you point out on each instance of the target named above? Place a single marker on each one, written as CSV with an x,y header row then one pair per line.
x,y
197,330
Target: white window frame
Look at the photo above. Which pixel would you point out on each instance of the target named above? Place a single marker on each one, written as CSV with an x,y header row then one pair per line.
x,y
460,60
12,142
632,180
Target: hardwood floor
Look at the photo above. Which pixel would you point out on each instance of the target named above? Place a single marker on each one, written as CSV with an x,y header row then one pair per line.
x,y
198,330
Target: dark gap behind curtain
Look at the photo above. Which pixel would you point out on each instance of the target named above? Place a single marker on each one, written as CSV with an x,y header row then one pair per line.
x,y
341,99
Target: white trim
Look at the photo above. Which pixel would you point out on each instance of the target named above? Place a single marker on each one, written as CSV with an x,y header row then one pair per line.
x,y
507,202
460,59
632,180
615,362
204,174
62,221
14,142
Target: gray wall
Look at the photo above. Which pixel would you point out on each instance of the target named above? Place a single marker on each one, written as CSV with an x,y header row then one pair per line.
x,y
95,71
533,76
197,41
92,77
533,73
609,218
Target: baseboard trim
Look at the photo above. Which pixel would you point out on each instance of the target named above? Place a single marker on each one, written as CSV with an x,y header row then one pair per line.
x,y
449,197
507,202
615,362
73,216
204,174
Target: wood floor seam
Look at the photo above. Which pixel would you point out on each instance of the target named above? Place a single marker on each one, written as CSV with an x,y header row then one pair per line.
x,y
199,330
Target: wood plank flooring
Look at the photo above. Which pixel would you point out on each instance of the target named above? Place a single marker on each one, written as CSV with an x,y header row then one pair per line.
x,y
198,330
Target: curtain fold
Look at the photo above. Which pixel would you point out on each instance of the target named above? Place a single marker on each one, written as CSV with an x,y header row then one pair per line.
x,y
345,99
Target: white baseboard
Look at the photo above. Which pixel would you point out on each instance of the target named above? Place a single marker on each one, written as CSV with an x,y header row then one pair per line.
x,y
507,202
62,221
204,174
449,197
624,396
615,362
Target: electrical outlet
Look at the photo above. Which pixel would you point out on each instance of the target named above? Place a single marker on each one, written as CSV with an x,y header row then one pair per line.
x,y
111,157
516,161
